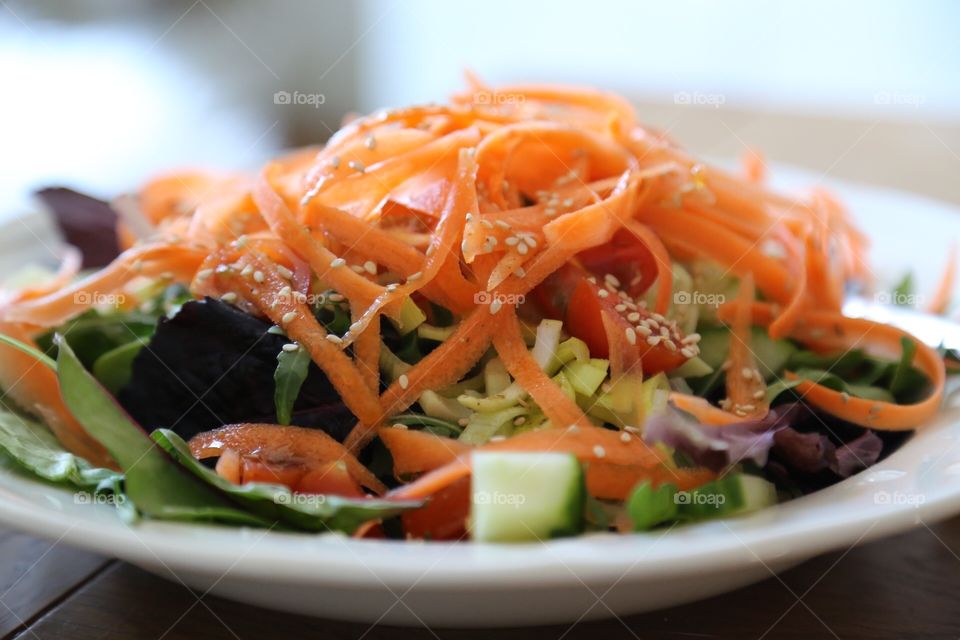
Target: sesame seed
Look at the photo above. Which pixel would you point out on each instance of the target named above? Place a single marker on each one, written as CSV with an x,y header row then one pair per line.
x,y
531,241
288,317
748,407
740,412
599,451
286,292
335,297
503,224
568,202
204,273
549,212
520,272
693,338
686,352
415,276
229,296
356,268
612,280
357,166
519,420
746,373
634,430
603,293
653,340
247,270
758,394
335,162
631,335
845,397
669,344
337,262
370,143
625,437
397,425
491,240
258,276
334,339
468,217
522,249
370,267
495,306
487,224
633,316
644,330
285,273
403,381
511,241
290,347
573,429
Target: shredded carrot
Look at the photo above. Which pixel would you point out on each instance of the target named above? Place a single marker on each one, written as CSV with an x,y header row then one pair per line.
x,y
831,332
746,388
556,405
597,447
470,206
943,294
270,294
701,409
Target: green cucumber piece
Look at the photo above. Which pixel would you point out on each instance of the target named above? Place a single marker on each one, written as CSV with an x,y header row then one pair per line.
x,y
727,496
519,497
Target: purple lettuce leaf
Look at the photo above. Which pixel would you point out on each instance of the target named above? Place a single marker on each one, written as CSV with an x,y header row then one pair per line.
x,y
88,224
757,440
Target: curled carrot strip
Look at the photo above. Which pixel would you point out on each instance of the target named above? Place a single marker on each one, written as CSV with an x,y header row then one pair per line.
x,y
556,405
831,332
944,292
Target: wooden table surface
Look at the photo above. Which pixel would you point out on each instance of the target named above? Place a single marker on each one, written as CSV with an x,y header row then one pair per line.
x,y
901,587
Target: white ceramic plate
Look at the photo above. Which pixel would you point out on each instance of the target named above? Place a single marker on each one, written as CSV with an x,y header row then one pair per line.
x,y
561,581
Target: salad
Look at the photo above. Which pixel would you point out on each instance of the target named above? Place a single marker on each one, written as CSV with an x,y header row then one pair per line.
x,y
515,316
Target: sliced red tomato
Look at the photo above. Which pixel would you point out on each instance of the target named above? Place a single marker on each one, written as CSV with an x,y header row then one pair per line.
x,y
329,478
256,470
625,258
553,294
444,517
658,341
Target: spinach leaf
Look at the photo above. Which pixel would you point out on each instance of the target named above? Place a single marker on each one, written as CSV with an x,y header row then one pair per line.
x,y
903,291
156,485
292,367
37,450
277,503
905,380
114,368
835,382
94,333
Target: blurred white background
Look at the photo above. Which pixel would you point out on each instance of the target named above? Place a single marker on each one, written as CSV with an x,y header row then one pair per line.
x,y
100,94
